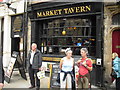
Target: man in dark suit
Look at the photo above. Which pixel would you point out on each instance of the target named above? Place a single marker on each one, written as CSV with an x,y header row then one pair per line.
x,y
34,65
1,74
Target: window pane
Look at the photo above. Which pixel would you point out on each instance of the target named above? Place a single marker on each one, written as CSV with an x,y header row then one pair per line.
x,y
59,34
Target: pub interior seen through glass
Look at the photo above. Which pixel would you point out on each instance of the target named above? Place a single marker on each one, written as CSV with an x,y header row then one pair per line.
x,y
74,33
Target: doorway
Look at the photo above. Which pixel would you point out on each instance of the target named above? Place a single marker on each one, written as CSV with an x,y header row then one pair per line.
x,y
17,46
116,41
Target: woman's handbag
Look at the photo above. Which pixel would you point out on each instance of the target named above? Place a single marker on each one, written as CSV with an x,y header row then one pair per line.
x,y
113,74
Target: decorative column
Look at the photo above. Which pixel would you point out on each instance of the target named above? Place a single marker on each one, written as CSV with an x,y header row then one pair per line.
x,y
7,39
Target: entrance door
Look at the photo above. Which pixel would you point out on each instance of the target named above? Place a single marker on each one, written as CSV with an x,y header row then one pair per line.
x,y
15,44
116,42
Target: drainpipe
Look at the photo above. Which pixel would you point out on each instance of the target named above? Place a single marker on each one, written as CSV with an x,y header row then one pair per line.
x,y
25,30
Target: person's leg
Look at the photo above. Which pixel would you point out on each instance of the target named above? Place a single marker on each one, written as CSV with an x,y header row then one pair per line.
x,y
31,75
69,81
80,84
62,83
85,83
118,84
37,80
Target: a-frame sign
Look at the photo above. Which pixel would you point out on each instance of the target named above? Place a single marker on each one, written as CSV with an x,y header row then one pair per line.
x,y
15,59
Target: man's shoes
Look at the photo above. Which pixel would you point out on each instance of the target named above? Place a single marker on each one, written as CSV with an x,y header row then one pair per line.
x,y
31,87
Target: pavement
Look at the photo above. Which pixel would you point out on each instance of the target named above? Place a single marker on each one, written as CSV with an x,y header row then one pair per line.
x,y
17,82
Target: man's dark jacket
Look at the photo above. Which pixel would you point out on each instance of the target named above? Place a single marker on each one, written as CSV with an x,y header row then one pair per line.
x,y
1,72
37,59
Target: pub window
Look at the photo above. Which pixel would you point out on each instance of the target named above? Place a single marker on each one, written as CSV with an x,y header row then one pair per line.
x,y
75,33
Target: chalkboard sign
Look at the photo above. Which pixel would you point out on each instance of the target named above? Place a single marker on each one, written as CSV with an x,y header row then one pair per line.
x,y
55,70
15,59
9,70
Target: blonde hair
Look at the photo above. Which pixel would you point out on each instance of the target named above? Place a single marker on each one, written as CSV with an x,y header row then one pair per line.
x,y
114,55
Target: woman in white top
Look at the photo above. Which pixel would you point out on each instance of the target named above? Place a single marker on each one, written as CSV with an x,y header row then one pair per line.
x,y
66,66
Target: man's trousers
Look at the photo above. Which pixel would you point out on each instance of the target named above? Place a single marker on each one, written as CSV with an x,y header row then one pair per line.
x,y
33,75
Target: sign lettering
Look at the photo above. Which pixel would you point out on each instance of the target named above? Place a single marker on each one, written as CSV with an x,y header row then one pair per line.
x,y
71,10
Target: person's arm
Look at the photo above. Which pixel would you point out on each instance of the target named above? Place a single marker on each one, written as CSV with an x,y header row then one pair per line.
x,y
116,64
88,67
40,60
61,62
88,64
77,63
73,62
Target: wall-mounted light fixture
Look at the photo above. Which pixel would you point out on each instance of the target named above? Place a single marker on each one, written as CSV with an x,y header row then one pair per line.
x,y
8,5
13,9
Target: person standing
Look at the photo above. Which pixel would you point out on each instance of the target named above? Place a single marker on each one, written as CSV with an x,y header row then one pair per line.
x,y
1,75
34,65
66,66
116,67
85,65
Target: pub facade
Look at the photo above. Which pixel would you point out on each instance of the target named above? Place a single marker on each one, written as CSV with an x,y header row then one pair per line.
x,y
56,26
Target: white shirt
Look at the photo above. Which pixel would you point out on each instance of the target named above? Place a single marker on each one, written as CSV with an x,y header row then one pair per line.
x,y
31,59
67,64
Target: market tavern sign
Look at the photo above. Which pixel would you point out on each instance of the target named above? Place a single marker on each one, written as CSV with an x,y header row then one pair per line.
x,y
64,11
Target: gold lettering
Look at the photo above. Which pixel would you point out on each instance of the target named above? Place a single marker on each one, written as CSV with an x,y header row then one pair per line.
x,y
60,11
88,8
71,10
44,14
66,9
55,12
47,13
51,13
39,14
82,9
77,9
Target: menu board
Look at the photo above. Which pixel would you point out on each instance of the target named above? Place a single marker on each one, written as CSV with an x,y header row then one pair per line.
x,y
55,70
15,59
9,70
